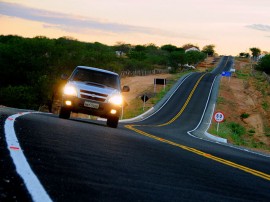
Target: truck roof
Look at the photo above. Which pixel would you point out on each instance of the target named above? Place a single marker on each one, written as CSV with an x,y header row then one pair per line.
x,y
97,69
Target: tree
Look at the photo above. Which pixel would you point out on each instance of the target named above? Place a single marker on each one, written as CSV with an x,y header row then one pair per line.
x,y
152,48
155,56
123,47
209,49
170,48
176,58
138,53
244,55
255,52
264,64
193,57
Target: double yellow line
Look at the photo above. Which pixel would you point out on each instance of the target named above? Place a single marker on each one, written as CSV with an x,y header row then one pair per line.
x,y
195,151
186,103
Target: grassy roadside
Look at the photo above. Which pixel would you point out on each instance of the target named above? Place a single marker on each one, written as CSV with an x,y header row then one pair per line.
x,y
136,108
242,124
237,134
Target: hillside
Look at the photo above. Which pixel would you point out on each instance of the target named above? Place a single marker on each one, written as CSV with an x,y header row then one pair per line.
x,y
245,99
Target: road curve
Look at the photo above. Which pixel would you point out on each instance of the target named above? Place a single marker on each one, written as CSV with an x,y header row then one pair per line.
x,y
150,160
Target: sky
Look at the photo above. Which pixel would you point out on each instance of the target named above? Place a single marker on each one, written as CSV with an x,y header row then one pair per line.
x,y
233,26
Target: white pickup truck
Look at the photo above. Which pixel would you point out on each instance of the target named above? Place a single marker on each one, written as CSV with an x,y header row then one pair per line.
x,y
95,92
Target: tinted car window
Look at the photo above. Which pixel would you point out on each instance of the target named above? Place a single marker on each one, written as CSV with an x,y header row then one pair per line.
x,y
103,78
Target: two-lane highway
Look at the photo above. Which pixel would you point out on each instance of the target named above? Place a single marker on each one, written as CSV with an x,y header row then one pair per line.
x,y
151,160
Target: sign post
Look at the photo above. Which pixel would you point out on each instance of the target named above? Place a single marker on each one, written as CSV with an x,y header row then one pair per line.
x,y
158,81
219,117
144,98
227,74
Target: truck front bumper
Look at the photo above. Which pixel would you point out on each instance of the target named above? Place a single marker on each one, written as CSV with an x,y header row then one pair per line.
x,y
90,107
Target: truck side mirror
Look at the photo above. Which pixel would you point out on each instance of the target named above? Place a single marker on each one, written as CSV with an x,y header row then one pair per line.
x,y
125,89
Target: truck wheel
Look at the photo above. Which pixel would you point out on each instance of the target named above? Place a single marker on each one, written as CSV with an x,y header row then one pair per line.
x,y
64,113
112,122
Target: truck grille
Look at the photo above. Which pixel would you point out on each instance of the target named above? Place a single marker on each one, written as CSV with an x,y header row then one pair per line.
x,y
90,95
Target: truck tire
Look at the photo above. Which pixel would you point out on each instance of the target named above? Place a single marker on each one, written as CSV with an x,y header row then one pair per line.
x,y
64,113
112,122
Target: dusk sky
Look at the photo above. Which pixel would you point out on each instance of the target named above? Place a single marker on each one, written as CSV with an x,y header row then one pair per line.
x,y
233,26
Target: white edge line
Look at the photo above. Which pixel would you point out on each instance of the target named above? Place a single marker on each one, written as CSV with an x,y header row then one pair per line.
x,y
217,138
154,107
23,168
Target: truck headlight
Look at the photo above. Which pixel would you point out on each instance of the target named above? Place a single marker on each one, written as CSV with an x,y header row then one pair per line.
x,y
70,90
116,99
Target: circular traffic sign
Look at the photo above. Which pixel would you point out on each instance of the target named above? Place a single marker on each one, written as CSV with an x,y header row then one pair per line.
x,y
219,117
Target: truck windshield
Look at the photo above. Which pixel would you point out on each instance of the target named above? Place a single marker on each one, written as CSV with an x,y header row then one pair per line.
x,y
91,76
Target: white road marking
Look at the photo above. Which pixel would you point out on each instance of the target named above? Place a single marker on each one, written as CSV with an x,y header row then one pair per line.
x,y
219,140
134,120
31,181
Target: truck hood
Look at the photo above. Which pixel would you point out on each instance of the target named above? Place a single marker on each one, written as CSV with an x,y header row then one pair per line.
x,y
89,87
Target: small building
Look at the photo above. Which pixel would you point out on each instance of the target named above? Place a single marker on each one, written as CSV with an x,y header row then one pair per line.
x,y
260,57
192,49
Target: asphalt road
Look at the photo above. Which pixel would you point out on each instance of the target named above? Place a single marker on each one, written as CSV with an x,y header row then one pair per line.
x,y
152,160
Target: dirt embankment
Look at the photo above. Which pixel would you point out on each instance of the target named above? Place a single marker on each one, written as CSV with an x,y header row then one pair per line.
x,y
244,98
139,84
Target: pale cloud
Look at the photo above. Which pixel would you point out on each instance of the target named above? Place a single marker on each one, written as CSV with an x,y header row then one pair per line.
x,y
229,24
77,24
260,27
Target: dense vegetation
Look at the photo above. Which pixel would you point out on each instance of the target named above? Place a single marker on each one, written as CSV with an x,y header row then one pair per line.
x,y
30,68
264,64
262,59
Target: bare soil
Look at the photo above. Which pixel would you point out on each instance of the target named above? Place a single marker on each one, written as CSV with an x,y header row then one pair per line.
x,y
245,94
140,84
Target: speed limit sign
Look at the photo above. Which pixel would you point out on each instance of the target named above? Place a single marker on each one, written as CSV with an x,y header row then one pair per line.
x,y
219,117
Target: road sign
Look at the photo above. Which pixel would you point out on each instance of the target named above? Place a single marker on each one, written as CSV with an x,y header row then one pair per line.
x,y
219,117
144,98
227,74
158,81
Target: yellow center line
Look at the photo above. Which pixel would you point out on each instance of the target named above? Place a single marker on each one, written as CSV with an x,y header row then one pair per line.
x,y
193,150
186,103
201,153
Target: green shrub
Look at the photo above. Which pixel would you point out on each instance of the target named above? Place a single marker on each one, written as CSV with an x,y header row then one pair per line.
x,y
220,100
267,131
251,132
244,116
264,64
265,106
23,97
237,129
241,75
237,132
